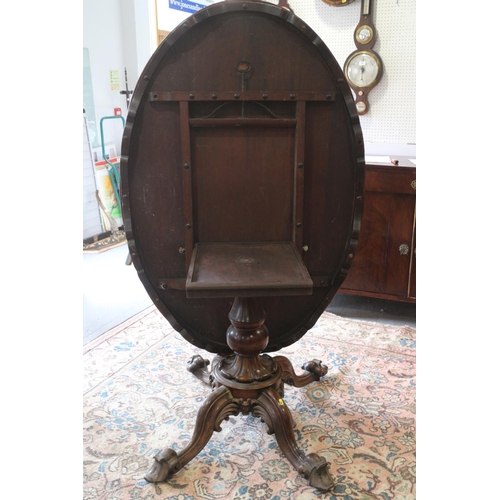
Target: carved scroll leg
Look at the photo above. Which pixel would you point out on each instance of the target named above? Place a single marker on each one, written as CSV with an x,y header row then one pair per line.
x,y
315,368
198,367
218,407
273,410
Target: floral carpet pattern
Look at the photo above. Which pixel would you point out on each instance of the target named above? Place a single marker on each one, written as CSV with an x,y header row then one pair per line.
x,y
139,398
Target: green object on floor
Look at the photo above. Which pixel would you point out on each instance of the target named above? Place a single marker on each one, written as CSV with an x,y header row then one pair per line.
x,y
114,173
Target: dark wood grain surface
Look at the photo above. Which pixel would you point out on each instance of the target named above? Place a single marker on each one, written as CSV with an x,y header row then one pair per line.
x,y
286,165
385,261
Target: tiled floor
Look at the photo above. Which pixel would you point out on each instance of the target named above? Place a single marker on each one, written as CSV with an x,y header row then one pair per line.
x,y
113,293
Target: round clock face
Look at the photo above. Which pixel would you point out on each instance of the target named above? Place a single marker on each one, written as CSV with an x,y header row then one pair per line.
x,y
364,34
361,107
363,69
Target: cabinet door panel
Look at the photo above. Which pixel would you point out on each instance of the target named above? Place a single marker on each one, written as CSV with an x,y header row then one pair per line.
x,y
413,269
367,272
382,260
399,245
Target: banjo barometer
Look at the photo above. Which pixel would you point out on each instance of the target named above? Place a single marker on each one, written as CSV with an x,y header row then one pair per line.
x,y
363,67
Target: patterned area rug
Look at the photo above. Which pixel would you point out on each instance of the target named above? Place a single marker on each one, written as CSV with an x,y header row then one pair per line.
x,y
139,398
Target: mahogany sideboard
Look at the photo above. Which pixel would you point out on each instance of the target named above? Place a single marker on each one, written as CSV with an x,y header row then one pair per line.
x,y
384,264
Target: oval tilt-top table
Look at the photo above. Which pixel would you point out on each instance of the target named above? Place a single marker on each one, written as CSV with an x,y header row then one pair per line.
x,y
242,174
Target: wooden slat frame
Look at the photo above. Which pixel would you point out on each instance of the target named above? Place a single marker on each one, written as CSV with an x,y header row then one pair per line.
x,y
299,155
242,122
187,192
298,205
247,95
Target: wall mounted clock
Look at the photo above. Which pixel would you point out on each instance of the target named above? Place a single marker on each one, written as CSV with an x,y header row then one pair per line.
x,y
338,3
363,68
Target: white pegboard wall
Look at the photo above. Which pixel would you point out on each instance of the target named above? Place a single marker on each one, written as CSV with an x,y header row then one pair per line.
x,y
390,124
391,119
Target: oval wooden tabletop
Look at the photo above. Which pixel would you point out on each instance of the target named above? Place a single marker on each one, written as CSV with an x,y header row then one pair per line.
x,y
242,131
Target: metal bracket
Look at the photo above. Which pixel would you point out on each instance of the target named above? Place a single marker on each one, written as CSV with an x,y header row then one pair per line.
x,y
172,284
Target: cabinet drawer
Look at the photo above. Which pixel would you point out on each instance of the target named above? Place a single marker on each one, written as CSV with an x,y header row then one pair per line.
x,y
390,180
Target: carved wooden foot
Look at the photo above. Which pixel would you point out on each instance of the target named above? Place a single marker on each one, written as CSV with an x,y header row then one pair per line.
x,y
315,368
165,464
271,408
218,407
198,367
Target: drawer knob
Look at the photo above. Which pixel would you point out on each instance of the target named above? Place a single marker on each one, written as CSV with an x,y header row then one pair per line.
x,y
414,185
404,249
